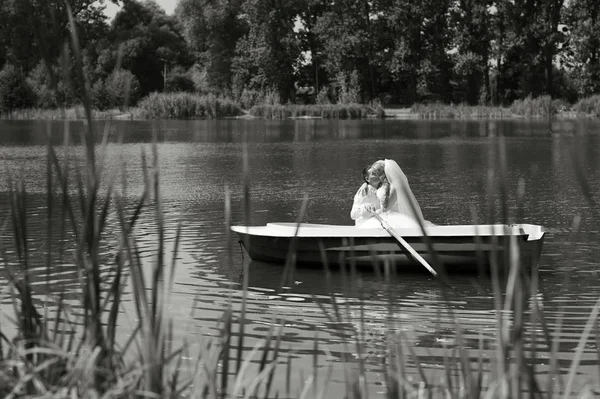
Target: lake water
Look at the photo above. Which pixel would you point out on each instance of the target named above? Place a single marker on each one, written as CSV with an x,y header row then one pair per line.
x,y
447,164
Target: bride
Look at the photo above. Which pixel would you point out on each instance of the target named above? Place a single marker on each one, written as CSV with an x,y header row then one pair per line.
x,y
395,197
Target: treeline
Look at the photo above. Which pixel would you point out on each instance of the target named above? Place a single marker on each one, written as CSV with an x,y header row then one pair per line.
x,y
485,52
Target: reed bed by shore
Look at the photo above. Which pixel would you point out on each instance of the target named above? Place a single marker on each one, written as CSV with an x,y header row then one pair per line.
x,y
325,111
588,106
209,106
458,111
67,113
543,107
185,106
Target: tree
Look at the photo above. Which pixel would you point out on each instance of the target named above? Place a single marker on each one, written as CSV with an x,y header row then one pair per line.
x,y
212,29
149,41
471,21
38,29
345,31
550,37
310,70
267,55
583,49
15,93
527,40
416,51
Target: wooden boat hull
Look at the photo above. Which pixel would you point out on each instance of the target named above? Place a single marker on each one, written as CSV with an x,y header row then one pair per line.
x,y
465,248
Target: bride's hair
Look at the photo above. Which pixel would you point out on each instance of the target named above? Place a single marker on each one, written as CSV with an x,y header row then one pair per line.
x,y
383,192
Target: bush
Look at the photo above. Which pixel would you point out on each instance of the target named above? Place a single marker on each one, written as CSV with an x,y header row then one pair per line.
x,y
179,82
271,97
589,105
323,96
101,99
348,88
199,78
15,93
538,106
123,88
50,94
250,98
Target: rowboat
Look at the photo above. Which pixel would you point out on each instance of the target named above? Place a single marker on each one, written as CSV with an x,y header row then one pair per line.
x,y
460,248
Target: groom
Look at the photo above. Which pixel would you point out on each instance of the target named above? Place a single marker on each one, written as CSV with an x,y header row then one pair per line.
x,y
365,199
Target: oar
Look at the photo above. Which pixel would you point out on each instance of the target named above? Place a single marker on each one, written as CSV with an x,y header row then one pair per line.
x,y
410,251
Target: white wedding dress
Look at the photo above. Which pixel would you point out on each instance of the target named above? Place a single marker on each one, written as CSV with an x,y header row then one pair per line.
x,y
399,213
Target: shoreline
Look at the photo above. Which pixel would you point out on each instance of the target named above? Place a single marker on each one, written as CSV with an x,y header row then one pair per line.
x,y
76,114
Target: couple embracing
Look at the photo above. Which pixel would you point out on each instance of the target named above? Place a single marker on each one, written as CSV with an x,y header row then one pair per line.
x,y
385,192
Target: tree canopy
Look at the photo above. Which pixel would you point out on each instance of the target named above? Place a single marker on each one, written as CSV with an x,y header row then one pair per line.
x,y
394,51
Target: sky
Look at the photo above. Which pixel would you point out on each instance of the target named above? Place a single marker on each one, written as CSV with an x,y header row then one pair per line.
x,y
167,5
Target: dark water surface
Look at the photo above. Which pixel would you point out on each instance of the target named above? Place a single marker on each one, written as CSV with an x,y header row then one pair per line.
x,y
447,164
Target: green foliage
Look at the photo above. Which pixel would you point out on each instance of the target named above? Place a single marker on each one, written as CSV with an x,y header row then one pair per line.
x,y
187,106
583,48
15,92
347,44
148,40
400,52
199,78
540,106
179,81
34,29
250,98
212,30
101,98
472,25
52,87
418,61
267,54
348,88
123,88
323,96
589,105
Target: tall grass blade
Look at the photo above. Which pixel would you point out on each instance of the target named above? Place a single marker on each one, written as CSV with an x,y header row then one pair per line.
x,y
591,321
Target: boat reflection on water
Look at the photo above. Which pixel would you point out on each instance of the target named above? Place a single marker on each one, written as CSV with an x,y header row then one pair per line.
x,y
369,283
416,304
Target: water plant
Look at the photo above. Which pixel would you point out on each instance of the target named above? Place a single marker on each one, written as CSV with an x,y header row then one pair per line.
x,y
327,111
439,110
186,106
